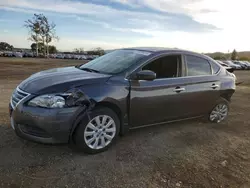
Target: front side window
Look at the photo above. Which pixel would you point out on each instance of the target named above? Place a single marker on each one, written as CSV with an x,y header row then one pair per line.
x,y
197,66
116,61
165,67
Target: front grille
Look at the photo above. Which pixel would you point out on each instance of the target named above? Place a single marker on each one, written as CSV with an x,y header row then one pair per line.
x,y
17,96
34,131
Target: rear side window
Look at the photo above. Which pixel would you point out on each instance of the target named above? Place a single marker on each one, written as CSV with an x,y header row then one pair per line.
x,y
197,66
215,67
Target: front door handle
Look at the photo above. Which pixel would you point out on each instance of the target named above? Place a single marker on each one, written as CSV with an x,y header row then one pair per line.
x,y
214,86
179,89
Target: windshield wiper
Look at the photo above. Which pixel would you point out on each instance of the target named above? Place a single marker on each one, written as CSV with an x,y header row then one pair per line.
x,y
90,70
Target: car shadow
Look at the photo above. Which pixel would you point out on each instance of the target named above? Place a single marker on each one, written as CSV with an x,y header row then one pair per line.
x,y
11,144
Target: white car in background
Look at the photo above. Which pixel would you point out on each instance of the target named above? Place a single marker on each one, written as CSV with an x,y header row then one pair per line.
x,y
233,65
67,56
77,57
18,54
247,63
60,56
83,57
52,55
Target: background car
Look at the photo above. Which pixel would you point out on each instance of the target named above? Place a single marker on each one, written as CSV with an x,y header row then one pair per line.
x,y
227,67
75,56
83,57
222,63
9,54
233,65
247,64
60,56
52,56
67,56
243,65
18,54
90,57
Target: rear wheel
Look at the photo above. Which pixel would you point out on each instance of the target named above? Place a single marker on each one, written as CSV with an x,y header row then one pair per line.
x,y
219,112
97,133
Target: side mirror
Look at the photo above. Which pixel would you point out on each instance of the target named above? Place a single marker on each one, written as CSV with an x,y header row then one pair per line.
x,y
145,75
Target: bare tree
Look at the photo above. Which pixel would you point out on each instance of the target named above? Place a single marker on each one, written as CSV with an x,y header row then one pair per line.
x,y
48,39
234,55
48,32
79,50
41,30
34,27
99,51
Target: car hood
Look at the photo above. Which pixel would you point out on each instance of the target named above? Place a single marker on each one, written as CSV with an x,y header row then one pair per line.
x,y
60,80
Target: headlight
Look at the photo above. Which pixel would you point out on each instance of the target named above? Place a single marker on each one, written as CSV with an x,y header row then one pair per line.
x,y
48,101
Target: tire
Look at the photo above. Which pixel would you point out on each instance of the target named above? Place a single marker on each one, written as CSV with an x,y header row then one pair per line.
x,y
85,132
222,108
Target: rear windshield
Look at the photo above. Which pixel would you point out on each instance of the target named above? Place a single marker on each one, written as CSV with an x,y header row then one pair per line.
x,y
116,61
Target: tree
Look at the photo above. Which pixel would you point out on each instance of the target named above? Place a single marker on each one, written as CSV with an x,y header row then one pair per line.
x,y
234,55
48,39
99,51
78,50
52,49
48,32
37,47
96,51
5,46
33,47
34,27
41,30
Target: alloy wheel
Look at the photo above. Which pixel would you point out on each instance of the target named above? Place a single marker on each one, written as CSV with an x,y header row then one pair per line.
x,y
219,113
99,132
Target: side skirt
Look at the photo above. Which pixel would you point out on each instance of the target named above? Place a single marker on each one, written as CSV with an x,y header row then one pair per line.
x,y
166,122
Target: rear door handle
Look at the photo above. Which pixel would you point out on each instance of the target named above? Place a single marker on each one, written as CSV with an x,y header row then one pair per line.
x,y
214,86
179,89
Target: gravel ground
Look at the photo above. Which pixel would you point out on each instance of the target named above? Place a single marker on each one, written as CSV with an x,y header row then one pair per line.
x,y
187,154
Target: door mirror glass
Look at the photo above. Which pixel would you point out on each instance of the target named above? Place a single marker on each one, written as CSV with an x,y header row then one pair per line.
x,y
146,75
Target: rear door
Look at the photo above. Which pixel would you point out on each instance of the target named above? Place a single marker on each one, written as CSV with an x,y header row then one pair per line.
x,y
203,83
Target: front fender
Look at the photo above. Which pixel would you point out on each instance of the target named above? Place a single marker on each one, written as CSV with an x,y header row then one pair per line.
x,y
87,97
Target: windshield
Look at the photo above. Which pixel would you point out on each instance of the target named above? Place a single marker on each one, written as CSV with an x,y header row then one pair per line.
x,y
116,61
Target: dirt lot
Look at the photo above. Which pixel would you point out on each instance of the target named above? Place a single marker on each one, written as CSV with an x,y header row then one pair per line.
x,y
188,154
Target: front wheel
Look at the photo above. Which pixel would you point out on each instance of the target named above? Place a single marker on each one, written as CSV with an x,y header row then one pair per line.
x,y
219,112
97,133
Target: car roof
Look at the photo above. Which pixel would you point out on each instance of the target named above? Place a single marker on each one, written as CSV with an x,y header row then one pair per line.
x,y
151,49
163,49
155,49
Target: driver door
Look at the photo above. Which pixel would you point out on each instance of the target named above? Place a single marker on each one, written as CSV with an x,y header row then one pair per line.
x,y
162,99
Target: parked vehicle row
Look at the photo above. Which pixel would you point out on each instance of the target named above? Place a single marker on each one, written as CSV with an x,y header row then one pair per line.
x,y
11,54
55,56
236,65
73,56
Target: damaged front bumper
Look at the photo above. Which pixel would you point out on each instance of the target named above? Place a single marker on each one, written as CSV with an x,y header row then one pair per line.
x,y
48,125
43,125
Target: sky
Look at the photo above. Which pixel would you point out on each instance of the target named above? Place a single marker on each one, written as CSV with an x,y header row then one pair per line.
x,y
197,25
